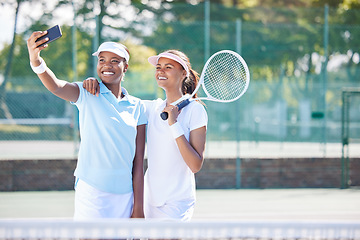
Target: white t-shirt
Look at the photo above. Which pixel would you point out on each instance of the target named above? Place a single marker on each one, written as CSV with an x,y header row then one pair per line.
x,y
168,178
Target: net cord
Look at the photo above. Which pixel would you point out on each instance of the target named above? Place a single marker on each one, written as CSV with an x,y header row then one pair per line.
x,y
200,229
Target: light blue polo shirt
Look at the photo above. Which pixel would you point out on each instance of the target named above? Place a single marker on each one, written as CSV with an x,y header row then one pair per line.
x,y
108,129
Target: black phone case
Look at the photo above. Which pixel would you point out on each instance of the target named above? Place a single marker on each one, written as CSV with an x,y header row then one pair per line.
x,y
52,33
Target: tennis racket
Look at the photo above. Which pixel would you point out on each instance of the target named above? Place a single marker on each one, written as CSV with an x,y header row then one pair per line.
x,y
224,78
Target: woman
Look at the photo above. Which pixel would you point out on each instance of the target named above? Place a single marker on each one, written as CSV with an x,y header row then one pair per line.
x,y
109,171
175,147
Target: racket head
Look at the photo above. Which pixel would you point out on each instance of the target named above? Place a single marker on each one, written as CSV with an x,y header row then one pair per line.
x,y
225,76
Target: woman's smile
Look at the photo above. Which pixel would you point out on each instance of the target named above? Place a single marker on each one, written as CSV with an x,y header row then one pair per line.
x,y
107,73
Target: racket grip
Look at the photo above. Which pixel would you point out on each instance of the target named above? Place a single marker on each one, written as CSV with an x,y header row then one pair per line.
x,y
164,115
183,104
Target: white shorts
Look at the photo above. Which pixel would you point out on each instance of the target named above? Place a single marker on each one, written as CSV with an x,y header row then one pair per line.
x,y
181,210
91,203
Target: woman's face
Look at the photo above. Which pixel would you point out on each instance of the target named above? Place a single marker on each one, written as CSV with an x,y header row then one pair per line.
x,y
111,67
169,73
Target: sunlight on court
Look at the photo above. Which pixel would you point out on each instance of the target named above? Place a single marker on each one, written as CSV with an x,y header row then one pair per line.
x,y
275,204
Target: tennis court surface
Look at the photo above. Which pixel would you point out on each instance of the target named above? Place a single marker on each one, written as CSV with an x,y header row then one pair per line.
x,y
219,214
301,213
243,204
214,149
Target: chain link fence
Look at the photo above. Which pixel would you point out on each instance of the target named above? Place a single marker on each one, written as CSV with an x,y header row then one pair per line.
x,y
294,93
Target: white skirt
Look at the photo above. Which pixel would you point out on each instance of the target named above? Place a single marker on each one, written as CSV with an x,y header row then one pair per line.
x,y
180,210
91,203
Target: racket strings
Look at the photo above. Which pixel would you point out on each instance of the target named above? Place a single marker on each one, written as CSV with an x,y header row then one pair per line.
x,y
226,77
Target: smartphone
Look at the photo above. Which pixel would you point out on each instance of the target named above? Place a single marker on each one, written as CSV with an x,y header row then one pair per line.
x,y
52,33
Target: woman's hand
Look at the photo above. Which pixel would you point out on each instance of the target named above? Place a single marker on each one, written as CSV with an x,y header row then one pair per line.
x,y
173,113
91,85
33,47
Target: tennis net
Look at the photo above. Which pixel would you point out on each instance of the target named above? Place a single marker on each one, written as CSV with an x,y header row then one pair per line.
x,y
152,229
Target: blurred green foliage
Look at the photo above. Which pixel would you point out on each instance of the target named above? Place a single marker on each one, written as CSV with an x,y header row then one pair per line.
x,y
282,42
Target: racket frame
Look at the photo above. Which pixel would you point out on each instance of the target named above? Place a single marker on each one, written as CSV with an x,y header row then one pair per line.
x,y
186,99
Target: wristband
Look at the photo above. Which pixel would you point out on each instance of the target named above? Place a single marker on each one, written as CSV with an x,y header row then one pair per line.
x,y
176,130
39,69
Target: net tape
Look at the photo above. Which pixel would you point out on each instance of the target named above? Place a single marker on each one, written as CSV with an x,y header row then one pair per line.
x,y
139,228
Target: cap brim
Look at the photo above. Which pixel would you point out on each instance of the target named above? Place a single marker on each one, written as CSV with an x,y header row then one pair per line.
x,y
120,54
153,60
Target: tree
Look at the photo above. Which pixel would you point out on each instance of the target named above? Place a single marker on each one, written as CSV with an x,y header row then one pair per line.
x,y
4,109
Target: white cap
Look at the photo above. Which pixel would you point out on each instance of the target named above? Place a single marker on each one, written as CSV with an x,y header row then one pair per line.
x,y
155,59
113,47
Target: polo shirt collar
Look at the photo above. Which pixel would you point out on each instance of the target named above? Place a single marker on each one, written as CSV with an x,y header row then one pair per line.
x,y
104,90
